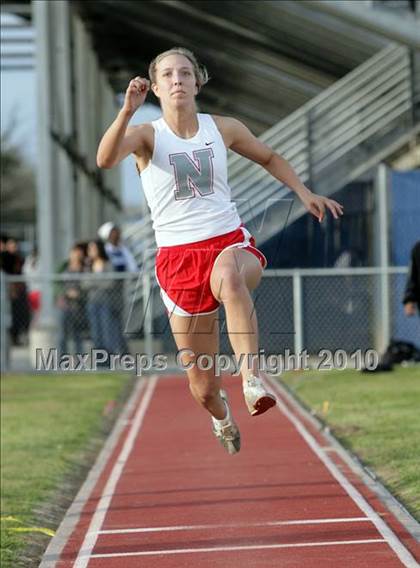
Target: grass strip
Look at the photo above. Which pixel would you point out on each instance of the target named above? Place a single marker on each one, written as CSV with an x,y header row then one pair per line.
x,y
374,415
52,428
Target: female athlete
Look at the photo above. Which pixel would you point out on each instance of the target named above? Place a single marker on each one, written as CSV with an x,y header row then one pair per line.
x,y
205,257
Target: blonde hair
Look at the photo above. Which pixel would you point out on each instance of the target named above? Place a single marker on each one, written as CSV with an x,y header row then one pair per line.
x,y
200,71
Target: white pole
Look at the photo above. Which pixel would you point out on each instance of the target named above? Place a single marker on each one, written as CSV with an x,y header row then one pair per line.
x,y
5,321
46,215
64,124
297,312
148,313
382,194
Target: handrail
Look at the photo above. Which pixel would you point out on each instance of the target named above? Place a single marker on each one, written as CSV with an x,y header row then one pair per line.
x,y
387,111
268,273
397,55
351,79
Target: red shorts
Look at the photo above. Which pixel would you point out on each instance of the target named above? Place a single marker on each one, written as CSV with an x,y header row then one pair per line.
x,y
183,271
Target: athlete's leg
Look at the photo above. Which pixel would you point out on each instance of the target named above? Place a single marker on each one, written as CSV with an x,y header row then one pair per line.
x,y
200,334
235,273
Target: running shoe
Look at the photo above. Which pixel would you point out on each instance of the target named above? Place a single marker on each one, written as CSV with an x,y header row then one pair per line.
x,y
257,398
226,431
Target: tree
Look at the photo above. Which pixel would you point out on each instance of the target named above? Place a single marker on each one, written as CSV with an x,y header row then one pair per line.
x,y
18,188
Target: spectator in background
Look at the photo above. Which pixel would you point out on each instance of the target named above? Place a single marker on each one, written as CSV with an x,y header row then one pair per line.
x,y
71,303
12,264
121,258
83,246
122,261
399,351
411,299
6,259
104,302
31,270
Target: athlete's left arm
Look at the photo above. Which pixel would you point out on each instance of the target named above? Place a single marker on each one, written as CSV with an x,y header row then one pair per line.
x,y
241,140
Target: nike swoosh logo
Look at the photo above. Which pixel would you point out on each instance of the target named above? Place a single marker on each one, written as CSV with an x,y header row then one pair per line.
x,y
208,143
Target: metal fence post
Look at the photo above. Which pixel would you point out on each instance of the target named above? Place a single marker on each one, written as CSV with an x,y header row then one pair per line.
x,y
148,313
4,323
297,312
382,187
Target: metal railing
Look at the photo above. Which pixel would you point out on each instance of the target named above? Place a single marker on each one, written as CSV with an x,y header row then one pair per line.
x,y
350,310
335,137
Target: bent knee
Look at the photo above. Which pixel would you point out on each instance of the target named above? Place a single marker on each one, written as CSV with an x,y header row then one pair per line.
x,y
229,284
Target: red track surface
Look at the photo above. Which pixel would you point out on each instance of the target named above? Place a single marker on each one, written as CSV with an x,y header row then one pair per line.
x,y
177,478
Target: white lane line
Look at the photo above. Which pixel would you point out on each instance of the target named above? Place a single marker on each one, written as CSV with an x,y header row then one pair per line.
x,y
397,546
65,530
236,548
85,552
235,525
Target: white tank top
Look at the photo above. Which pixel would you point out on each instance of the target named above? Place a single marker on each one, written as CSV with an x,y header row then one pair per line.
x,y
186,185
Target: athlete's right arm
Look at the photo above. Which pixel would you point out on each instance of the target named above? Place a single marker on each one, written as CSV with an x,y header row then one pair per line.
x,y
120,140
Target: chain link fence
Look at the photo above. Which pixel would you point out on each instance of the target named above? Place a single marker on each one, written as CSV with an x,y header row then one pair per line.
x,y
313,310
67,314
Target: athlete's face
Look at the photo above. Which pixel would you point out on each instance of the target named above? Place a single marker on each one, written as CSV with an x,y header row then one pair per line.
x,y
176,84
